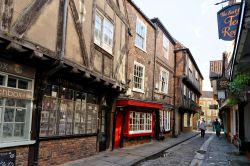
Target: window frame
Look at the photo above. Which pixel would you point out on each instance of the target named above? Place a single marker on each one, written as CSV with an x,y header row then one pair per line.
x,y
165,89
100,41
165,120
143,77
84,106
148,122
165,49
144,42
26,138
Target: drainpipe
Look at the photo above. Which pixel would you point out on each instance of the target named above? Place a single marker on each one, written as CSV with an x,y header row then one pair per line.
x,y
157,126
174,113
42,84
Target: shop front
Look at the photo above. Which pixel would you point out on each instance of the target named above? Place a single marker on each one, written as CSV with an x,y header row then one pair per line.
x,y
74,121
16,107
137,122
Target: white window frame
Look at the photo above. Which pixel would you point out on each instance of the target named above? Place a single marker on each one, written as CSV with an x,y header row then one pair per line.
x,y
165,88
147,125
185,120
165,120
138,21
107,30
25,139
184,90
166,47
143,77
191,120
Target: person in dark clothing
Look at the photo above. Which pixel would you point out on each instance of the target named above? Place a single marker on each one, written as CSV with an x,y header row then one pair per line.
x,y
217,127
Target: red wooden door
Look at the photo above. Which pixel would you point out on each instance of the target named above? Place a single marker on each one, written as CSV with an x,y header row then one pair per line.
x,y
118,129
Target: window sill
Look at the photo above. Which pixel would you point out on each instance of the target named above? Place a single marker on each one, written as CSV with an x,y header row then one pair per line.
x,y
144,50
138,90
162,93
17,143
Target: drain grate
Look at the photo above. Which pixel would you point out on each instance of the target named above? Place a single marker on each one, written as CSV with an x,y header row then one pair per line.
x,y
201,151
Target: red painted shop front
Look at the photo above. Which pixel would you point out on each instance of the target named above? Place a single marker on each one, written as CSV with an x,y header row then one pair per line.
x,y
134,119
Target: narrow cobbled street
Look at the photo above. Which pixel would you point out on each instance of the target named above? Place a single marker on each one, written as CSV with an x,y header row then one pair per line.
x,y
181,154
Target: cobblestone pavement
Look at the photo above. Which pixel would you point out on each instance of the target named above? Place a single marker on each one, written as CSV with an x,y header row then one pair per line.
x,y
222,153
180,155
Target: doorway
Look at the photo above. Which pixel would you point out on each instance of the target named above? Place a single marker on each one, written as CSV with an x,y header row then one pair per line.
x,y
102,135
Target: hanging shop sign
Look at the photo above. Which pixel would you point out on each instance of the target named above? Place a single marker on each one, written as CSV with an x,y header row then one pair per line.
x,y
222,84
228,19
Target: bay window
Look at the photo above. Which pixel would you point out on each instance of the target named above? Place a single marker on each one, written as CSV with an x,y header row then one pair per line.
x,y
140,122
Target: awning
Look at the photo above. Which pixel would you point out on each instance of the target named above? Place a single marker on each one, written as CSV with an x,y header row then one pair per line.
x,y
138,103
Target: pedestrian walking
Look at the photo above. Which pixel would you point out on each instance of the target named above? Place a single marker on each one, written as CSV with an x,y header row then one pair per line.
x,y
217,127
202,127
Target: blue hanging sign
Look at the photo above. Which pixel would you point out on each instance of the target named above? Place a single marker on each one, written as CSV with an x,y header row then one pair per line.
x,y
228,19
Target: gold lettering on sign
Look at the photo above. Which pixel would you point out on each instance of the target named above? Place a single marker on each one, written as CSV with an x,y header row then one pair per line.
x,y
230,21
15,93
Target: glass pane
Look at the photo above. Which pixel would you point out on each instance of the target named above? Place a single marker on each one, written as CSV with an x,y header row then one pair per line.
x,y
10,102
20,115
2,80
9,115
21,103
12,82
1,101
19,130
7,130
23,84
48,116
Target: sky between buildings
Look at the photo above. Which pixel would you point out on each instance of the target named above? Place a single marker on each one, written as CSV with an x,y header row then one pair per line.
x,y
194,24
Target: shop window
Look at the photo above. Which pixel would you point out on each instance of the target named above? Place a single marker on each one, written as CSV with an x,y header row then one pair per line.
x,y
103,33
138,77
20,83
140,122
141,32
68,112
15,114
165,121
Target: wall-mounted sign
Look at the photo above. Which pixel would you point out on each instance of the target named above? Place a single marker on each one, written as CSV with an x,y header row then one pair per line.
x,y
228,19
8,158
15,93
17,69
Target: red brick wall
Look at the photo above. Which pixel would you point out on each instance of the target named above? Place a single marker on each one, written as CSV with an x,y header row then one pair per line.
x,y
22,154
136,141
54,152
145,58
